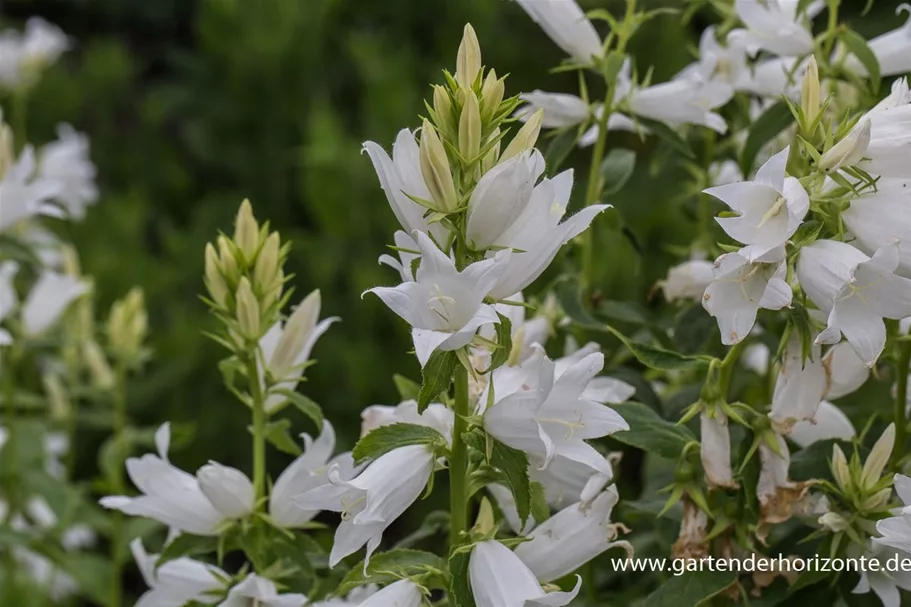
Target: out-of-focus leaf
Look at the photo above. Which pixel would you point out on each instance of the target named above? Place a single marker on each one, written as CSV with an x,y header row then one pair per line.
x,y
616,169
773,121
692,588
650,432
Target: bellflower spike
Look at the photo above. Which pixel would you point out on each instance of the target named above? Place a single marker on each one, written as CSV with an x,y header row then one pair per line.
x,y
892,50
178,581
256,591
774,26
546,417
48,300
499,578
856,292
403,593
571,538
565,23
444,306
740,288
371,501
169,495
770,209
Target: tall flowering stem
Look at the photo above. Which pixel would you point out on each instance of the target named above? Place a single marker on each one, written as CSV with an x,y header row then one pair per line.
x,y
257,404
458,463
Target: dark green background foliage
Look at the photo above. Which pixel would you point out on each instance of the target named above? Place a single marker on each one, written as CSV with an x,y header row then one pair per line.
x,y
192,105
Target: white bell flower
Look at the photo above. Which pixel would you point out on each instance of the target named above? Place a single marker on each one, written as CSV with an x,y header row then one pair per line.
x,y
774,26
547,415
499,578
256,591
371,501
561,110
717,63
571,538
680,102
565,23
892,50
879,218
444,306
774,77
403,593
436,416
856,292
800,386
829,422
688,280
770,209
286,347
889,151
567,481
308,471
715,448
778,495
404,264
66,162
22,56
740,288
48,299
169,495
228,489
896,530
885,584
178,581
21,195
846,371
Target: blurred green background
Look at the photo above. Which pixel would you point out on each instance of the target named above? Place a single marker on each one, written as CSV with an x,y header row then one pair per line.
x,y
193,105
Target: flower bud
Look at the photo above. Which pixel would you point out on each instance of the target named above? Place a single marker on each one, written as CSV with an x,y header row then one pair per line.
x,y
526,138
227,261
878,458
840,469
265,272
849,151
833,522
246,231
215,282
70,260
491,96
877,500
435,169
61,408
7,153
128,325
97,363
470,129
442,107
468,61
485,523
809,97
247,310
229,489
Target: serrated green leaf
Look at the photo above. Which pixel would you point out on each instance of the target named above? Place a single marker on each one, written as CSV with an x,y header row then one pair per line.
x,y
860,49
650,432
386,438
772,122
401,563
616,169
437,377
408,389
305,405
692,588
459,585
512,463
658,358
504,343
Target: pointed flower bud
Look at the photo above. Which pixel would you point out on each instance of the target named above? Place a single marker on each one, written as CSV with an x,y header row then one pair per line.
x,y
7,155
266,270
435,169
526,138
878,458
468,61
61,408
849,151
470,129
229,489
840,469
215,283
98,366
248,314
834,522
492,92
227,260
809,97
442,107
128,325
246,231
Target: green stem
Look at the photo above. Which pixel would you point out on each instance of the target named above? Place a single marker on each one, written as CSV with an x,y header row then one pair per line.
x,y
118,541
593,190
10,468
831,29
727,368
458,463
258,405
902,368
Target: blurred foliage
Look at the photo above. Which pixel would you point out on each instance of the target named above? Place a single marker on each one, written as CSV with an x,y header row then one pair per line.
x,y
193,105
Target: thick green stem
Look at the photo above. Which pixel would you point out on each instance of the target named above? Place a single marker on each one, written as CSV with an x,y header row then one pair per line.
x,y
727,368
901,401
593,192
258,405
458,463
118,541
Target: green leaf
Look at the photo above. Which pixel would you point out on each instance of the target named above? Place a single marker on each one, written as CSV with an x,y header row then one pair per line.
x,y
693,327
772,122
93,576
304,405
859,48
658,358
386,438
650,432
387,567
558,149
813,460
612,65
691,589
187,544
437,376
408,389
512,463
616,169
504,343
623,311
807,233
669,136
539,507
277,433
459,586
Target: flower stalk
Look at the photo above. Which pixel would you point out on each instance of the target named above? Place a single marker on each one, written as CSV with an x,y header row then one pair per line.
x,y
458,463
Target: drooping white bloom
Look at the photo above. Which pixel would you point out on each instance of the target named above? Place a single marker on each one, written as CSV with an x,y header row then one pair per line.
x,y
879,218
774,26
778,495
680,102
571,538
403,593
286,348
856,292
49,297
770,209
436,416
545,414
719,64
169,494
444,306
892,50
499,578
846,371
740,288
829,422
401,179
22,196
229,489
560,109
688,280
773,77
850,150
889,151
715,448
66,163
256,591
800,386
567,26
404,264
178,581
22,56
882,582
896,530
309,470
567,481
371,501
